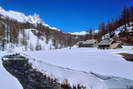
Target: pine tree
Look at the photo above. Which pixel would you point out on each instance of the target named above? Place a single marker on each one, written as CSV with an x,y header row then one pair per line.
x,y
125,17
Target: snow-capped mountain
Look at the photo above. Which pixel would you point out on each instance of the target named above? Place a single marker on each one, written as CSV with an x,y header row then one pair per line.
x,y
21,17
33,34
79,33
83,32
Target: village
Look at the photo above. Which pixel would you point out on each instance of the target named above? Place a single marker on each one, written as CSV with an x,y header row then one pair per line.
x,y
108,42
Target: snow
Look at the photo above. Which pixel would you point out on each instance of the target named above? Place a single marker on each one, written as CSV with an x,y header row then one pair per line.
x,y
90,67
7,81
121,28
74,77
32,40
53,28
83,32
79,33
21,17
76,66
91,59
13,15
35,19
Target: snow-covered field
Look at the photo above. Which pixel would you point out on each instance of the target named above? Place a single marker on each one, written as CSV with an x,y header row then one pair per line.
x,y
106,62
78,65
83,61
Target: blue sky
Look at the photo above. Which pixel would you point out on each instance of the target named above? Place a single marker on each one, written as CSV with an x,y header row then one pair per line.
x,y
70,15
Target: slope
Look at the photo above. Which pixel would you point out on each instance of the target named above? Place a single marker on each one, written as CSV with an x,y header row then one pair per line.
x,y
7,81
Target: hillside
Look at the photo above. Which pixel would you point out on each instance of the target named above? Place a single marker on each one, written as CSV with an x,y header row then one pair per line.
x,y
30,33
122,33
120,28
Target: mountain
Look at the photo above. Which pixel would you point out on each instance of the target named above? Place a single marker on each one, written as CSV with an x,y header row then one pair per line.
x,y
30,32
21,17
84,32
80,33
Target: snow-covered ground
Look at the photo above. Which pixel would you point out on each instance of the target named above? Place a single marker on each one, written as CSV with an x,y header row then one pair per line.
x,y
77,64
106,62
93,68
7,81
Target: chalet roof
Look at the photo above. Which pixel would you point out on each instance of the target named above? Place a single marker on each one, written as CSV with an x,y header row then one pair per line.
x,y
106,42
115,45
87,42
90,41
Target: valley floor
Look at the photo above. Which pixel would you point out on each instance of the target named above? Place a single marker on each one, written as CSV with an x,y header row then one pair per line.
x,y
105,62
78,65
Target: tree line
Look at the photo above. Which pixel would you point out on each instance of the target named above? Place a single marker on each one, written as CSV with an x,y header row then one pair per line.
x,y
125,19
10,30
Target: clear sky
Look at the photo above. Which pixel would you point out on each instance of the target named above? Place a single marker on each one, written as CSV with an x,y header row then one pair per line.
x,y
70,15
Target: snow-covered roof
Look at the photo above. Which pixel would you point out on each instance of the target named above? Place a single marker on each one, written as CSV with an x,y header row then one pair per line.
x,y
92,41
106,42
